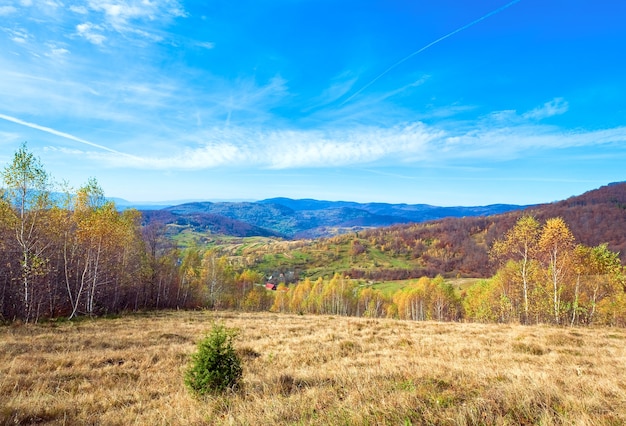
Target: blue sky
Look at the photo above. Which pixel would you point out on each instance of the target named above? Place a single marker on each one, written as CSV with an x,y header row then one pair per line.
x,y
448,102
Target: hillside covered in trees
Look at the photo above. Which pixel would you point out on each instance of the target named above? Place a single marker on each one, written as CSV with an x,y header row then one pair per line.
x,y
65,253
460,246
451,247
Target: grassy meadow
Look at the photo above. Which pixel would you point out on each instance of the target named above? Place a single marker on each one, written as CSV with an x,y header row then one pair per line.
x,y
313,370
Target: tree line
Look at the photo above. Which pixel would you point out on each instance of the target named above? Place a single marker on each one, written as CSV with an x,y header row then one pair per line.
x,y
70,252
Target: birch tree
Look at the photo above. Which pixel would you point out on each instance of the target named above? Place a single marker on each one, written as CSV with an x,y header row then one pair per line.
x,y
190,272
520,244
557,245
27,190
218,277
599,275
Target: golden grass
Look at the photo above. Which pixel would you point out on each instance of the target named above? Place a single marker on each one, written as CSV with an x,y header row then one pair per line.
x,y
314,370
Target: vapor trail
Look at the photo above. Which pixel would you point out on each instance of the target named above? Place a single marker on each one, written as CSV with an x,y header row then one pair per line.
x,y
458,30
58,133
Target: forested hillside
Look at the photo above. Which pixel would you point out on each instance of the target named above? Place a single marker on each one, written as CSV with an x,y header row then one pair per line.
x,y
204,222
450,247
460,246
595,217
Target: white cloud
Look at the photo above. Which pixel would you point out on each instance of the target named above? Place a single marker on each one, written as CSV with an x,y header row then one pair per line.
x,y
134,19
7,10
81,10
266,149
120,12
20,35
556,106
91,32
18,39
57,52
53,4
286,149
359,146
206,45
512,142
259,147
408,143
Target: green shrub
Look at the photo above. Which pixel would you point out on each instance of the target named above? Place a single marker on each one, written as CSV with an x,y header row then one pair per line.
x,y
216,367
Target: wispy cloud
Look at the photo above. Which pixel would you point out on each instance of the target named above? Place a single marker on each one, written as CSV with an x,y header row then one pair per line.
x,y
19,35
120,11
7,10
339,86
291,149
556,106
282,149
205,44
511,142
91,32
410,143
56,51
245,100
511,117
80,9
117,23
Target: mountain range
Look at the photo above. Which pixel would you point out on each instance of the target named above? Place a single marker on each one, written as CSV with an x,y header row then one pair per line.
x,y
306,218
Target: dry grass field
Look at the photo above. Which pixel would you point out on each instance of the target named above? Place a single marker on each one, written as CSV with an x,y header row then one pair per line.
x,y
313,370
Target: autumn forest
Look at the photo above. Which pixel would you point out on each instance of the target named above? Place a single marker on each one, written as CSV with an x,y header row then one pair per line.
x,y
71,252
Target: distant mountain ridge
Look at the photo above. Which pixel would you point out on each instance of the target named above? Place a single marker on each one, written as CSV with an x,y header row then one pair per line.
x,y
306,218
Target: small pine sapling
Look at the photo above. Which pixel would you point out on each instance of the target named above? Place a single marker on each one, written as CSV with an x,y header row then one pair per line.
x,y
215,367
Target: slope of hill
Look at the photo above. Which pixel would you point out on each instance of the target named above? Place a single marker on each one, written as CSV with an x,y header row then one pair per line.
x,y
451,247
595,217
204,222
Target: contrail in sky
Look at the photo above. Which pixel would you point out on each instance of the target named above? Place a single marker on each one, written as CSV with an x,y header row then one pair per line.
x,y
57,133
458,30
